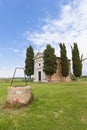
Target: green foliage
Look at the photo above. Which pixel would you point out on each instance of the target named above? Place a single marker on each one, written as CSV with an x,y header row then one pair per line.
x,y
76,61
64,60
50,64
29,61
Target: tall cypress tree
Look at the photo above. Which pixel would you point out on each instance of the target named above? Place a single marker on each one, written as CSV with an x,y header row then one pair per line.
x,y
50,64
76,61
64,60
29,61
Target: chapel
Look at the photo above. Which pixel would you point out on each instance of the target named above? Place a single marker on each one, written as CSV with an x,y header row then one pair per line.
x,y
40,76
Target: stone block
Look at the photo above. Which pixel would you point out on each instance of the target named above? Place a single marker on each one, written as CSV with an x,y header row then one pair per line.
x,y
19,94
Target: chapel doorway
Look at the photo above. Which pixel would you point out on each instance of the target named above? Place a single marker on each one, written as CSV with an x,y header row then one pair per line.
x,y
39,76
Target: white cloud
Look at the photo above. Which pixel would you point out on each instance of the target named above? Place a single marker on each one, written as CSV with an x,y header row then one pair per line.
x,y
69,28
16,50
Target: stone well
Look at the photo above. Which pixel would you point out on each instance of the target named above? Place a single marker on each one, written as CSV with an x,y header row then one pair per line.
x,y
19,94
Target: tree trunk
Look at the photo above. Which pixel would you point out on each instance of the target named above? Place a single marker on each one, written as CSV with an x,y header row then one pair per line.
x,y
50,78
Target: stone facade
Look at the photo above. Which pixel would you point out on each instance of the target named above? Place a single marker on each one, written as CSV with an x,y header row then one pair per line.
x,y
19,94
40,76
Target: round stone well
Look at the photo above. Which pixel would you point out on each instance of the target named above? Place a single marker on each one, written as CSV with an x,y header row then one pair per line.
x,y
19,94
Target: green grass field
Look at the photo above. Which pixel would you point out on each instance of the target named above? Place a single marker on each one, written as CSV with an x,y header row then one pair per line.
x,y
60,106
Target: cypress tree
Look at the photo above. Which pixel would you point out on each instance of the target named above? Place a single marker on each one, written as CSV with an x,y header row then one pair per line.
x,y
64,60
50,64
29,62
76,61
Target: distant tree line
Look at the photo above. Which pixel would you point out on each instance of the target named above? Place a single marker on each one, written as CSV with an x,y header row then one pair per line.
x,y
50,64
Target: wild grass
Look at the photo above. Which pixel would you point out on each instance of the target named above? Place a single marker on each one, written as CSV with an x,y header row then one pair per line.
x,y
60,106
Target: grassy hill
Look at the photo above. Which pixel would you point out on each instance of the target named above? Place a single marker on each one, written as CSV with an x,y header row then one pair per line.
x,y
60,106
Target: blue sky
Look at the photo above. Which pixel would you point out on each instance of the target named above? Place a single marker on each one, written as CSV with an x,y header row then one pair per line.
x,y
37,23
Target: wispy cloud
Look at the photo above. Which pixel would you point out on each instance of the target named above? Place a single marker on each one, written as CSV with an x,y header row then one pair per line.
x,y
16,50
70,27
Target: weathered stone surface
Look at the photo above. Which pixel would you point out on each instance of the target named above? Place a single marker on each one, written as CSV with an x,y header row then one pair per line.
x,y
19,94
